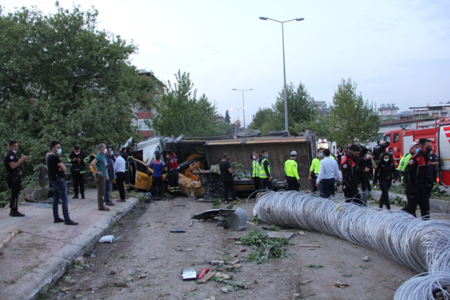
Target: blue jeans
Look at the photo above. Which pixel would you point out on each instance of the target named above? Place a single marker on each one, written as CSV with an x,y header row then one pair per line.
x,y
60,192
108,184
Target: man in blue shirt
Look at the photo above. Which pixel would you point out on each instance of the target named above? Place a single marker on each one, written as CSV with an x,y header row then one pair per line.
x,y
329,169
100,174
158,168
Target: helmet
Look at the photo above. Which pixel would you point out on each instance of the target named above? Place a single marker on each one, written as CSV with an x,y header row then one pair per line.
x,y
293,153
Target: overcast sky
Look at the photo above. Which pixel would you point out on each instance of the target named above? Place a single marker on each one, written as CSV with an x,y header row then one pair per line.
x,y
396,51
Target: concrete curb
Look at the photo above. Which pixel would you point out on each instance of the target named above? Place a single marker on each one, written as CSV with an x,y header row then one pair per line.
x,y
47,273
436,205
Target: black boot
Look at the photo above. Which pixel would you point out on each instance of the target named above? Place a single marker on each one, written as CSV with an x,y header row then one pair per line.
x,y
16,213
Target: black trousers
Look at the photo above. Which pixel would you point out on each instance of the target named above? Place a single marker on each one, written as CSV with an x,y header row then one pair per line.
x,y
158,186
120,180
313,183
326,187
385,185
14,183
78,180
351,193
292,184
173,181
229,185
421,198
266,184
257,183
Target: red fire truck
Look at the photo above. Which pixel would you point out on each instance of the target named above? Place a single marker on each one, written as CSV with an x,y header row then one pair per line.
x,y
438,131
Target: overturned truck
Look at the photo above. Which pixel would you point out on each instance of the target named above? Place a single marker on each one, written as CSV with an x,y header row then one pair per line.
x,y
209,153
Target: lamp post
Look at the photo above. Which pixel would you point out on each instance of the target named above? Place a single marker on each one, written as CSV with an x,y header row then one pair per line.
x,y
243,103
239,118
284,64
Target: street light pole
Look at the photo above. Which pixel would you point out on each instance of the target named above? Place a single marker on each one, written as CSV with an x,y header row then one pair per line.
x,y
243,103
284,65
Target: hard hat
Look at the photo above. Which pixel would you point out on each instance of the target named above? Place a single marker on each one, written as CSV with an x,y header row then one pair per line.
x,y
293,153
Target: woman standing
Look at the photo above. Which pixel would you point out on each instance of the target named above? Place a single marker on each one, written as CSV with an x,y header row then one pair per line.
x,y
384,173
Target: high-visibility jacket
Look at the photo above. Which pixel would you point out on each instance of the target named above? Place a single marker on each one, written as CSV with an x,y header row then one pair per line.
x,y
291,168
403,164
255,171
315,165
262,171
332,157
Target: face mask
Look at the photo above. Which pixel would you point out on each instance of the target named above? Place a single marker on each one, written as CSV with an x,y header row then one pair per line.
x,y
391,153
112,153
77,152
429,149
321,154
59,151
254,157
431,152
266,156
104,151
15,151
367,156
417,150
386,159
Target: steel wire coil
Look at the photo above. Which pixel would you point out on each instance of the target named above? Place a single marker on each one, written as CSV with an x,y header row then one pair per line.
x,y
421,245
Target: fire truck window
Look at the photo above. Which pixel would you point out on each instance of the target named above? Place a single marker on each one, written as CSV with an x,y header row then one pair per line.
x,y
395,137
387,138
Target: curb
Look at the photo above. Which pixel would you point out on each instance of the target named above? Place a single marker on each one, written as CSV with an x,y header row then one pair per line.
x,y
47,273
436,205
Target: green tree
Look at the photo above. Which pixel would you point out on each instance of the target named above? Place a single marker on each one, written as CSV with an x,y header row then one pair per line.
x,y
300,107
181,112
263,120
62,79
351,117
317,124
227,117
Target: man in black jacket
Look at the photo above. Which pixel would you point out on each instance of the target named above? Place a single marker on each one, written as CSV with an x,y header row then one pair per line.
x,y
417,181
350,178
78,160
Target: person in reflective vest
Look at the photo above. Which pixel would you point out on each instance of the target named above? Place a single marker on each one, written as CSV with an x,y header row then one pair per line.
x,y
172,168
314,169
413,149
255,170
78,160
264,171
291,170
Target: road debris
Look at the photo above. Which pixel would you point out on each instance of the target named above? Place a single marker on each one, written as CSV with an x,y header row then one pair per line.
x,y
178,230
341,285
188,274
365,258
107,239
207,277
9,238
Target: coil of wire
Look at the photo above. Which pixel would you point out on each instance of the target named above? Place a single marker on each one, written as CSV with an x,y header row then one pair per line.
x,y
421,245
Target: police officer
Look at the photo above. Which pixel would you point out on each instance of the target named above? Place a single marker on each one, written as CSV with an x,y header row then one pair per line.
x,y
14,176
291,170
314,169
413,149
78,160
417,181
255,170
350,176
264,171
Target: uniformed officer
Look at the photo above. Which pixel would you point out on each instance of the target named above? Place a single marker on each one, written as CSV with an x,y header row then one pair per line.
x,y
413,149
264,171
291,170
78,160
255,170
417,181
314,169
14,176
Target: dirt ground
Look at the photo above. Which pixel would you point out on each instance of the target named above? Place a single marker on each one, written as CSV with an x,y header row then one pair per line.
x,y
147,260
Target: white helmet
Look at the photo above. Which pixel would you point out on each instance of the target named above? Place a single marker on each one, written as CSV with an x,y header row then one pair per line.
x,y
293,153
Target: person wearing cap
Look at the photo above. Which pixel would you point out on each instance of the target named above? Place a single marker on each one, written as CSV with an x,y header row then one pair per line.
x,y
413,149
119,169
255,170
78,160
329,170
291,170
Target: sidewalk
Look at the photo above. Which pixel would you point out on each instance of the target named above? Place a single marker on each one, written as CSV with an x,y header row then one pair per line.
x,y
436,205
40,254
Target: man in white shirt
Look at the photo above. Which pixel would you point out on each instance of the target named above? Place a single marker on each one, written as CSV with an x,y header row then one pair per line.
x,y
119,169
329,169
